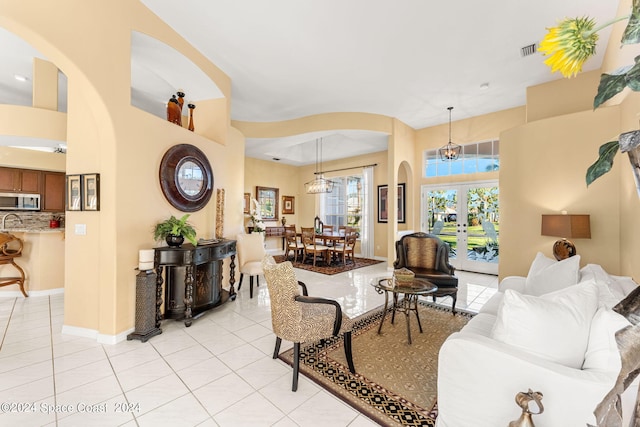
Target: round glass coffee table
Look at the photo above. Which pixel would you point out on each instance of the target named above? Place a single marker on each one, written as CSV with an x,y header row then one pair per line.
x,y
411,290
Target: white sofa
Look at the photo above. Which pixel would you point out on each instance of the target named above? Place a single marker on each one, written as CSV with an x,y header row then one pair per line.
x,y
483,367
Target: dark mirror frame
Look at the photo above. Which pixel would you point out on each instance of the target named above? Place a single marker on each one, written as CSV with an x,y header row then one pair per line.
x,y
179,199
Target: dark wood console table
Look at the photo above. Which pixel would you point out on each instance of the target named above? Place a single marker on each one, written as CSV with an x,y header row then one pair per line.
x,y
193,269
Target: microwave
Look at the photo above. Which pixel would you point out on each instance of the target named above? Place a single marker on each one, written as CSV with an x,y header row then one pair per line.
x,y
19,202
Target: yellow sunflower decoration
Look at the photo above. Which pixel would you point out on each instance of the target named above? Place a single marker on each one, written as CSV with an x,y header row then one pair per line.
x,y
569,45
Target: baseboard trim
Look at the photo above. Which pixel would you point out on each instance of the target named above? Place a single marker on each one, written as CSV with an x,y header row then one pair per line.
x,y
95,335
43,293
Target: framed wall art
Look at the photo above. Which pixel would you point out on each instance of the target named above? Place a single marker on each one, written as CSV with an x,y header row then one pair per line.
x,y
74,193
247,203
268,199
288,205
91,192
383,203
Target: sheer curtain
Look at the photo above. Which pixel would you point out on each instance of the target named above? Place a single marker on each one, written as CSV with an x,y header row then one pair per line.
x,y
366,232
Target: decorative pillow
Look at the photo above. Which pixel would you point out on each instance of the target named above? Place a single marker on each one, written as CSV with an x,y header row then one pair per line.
x,y
602,351
548,275
554,326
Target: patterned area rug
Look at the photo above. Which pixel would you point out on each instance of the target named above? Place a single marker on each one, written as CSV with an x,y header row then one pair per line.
x,y
395,383
333,268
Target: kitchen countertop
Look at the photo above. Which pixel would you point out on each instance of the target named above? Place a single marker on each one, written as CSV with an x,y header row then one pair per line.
x,y
33,230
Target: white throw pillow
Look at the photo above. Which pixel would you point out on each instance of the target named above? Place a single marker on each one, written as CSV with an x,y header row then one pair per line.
x,y
602,351
548,275
554,326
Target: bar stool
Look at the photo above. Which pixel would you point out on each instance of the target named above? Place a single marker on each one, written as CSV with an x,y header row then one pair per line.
x,y
11,249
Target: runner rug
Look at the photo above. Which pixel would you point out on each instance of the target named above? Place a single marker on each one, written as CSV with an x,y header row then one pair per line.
x,y
395,383
333,268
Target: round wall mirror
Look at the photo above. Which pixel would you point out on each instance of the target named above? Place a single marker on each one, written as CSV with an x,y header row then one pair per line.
x,y
186,178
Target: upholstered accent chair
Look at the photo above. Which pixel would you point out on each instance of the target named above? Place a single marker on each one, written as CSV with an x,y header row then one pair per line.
x,y
312,248
250,254
299,318
428,257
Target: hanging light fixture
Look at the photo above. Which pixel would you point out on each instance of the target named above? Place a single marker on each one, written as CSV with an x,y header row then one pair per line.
x,y
319,184
450,151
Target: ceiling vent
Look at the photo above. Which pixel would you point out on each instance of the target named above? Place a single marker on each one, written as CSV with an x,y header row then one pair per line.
x,y
528,50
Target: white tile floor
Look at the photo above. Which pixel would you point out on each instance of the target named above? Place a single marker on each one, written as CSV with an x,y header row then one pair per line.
x,y
218,372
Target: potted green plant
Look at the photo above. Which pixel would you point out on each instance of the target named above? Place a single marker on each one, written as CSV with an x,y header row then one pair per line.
x,y
174,231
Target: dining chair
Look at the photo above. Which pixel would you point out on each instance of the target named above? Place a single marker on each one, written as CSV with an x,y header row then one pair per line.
x,y
345,250
251,251
293,245
312,248
300,318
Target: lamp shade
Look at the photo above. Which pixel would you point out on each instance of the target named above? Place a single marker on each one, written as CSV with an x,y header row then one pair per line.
x,y
567,226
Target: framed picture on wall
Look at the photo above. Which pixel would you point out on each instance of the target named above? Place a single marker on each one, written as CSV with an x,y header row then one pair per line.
x,y
247,203
74,193
91,192
383,203
288,205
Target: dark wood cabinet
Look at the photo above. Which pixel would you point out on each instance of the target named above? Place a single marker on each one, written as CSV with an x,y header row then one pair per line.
x,y
193,278
16,180
53,188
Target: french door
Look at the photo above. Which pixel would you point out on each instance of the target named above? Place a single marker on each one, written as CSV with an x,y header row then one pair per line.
x,y
467,217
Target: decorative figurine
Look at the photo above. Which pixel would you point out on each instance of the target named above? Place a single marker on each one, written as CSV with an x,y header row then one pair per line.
x,y
523,399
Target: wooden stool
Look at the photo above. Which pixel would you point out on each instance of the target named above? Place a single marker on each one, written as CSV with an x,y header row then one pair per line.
x,y
7,256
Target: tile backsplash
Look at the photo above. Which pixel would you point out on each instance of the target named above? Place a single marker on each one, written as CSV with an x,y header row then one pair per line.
x,y
30,220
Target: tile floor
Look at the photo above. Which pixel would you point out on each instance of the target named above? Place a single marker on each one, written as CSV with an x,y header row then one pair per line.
x,y
218,372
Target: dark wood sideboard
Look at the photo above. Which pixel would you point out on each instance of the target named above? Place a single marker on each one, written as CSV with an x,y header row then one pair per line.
x,y
193,279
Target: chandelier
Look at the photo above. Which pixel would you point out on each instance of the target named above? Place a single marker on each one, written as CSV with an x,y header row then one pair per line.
x,y
450,151
319,184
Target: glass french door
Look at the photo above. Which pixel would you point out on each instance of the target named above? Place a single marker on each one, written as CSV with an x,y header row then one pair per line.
x,y
467,217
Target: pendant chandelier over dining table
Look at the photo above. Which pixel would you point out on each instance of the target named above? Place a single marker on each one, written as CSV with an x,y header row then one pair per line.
x,y
319,184
450,151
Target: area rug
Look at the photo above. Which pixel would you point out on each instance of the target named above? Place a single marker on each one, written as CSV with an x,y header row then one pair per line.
x,y
333,268
395,382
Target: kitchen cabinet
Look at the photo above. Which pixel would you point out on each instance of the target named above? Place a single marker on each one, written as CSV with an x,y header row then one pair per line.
x,y
53,188
20,180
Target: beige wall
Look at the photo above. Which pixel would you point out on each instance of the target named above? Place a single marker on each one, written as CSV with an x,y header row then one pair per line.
x,y
542,171
125,145
31,159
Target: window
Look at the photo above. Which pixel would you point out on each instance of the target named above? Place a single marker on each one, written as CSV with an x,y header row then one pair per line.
x,y
268,199
344,205
474,158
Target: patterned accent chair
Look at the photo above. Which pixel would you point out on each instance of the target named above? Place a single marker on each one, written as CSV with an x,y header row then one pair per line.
x,y
250,254
300,318
428,257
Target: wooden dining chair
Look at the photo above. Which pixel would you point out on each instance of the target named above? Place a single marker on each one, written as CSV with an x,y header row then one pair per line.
x,y
312,248
345,250
293,245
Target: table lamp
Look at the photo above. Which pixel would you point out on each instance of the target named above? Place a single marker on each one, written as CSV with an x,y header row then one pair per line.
x,y
567,227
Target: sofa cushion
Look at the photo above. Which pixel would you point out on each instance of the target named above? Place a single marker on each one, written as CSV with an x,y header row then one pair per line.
x,y
548,275
602,351
480,324
554,326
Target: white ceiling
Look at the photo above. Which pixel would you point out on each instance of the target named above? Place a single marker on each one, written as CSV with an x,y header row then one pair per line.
x,y
409,59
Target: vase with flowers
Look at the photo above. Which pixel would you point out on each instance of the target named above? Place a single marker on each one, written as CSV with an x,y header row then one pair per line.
x,y
255,218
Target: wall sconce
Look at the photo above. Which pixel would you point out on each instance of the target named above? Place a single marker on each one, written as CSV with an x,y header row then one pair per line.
x,y
565,226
